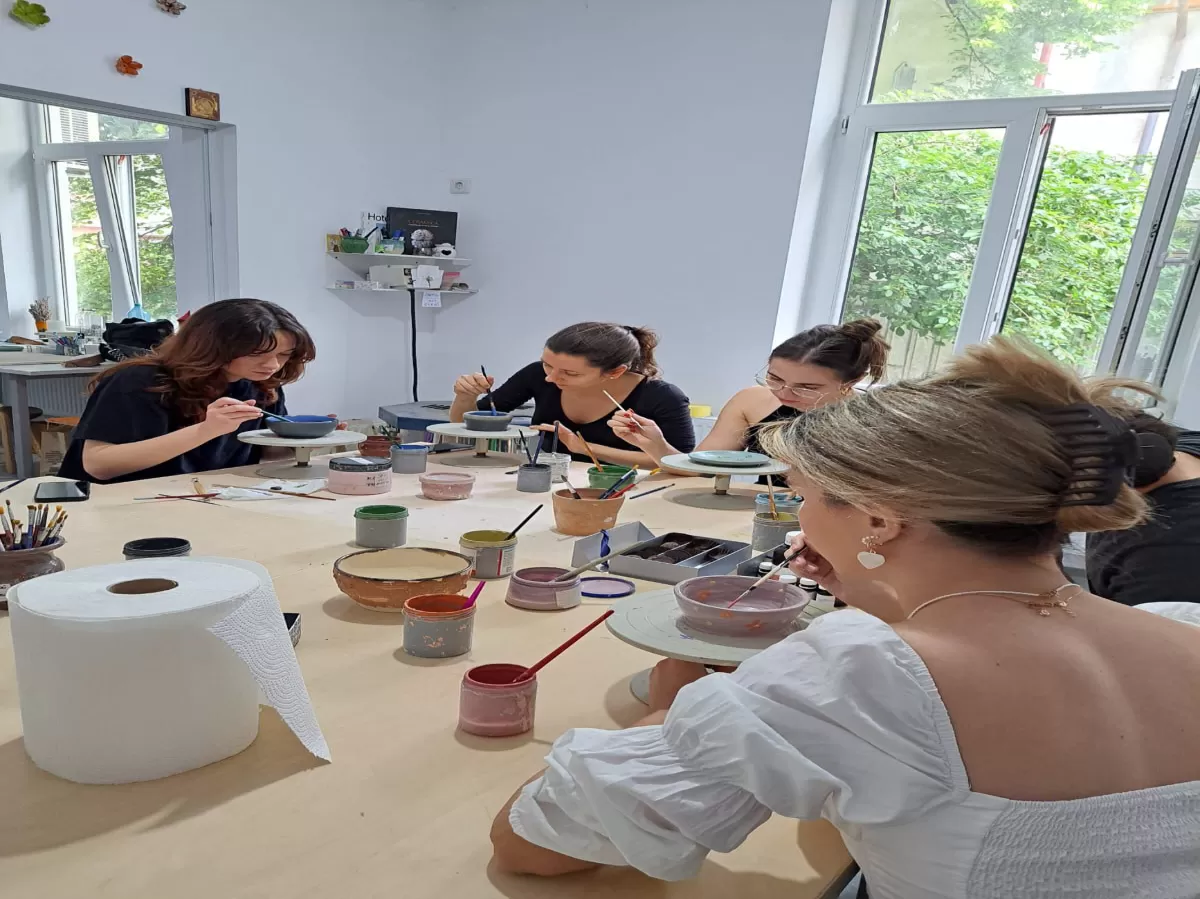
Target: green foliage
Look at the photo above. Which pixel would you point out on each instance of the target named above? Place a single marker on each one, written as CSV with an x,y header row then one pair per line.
x,y
998,39
152,208
925,206
31,14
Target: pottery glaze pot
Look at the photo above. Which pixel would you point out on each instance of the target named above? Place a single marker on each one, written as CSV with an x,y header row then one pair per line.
x,y
447,485
20,565
409,458
534,478
497,701
376,446
538,589
438,626
587,515
605,476
487,421
383,579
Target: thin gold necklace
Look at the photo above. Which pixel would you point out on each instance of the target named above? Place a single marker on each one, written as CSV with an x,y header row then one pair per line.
x,y
1043,602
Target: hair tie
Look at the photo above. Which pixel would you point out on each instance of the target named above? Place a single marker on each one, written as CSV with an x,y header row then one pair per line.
x,y
1101,450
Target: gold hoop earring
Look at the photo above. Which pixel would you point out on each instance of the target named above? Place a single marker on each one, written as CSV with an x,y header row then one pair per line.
x,y
871,558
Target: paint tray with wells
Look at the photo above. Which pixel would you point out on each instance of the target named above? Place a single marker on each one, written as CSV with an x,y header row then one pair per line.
x,y
667,559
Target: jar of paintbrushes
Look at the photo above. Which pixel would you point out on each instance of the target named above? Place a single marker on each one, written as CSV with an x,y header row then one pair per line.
x,y
27,546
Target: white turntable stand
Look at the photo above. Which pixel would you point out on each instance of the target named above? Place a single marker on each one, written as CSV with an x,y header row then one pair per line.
x,y
481,438
302,469
652,621
721,473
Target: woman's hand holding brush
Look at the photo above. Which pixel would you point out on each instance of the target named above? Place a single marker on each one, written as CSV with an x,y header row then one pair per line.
x,y
808,563
642,432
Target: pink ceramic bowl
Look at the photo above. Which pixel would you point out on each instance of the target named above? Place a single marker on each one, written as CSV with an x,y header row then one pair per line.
x,y
446,485
705,601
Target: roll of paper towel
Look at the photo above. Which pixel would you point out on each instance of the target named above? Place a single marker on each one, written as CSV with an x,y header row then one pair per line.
x,y
147,668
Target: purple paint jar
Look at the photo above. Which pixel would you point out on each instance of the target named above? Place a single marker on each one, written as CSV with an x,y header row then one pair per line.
x,y
496,702
531,588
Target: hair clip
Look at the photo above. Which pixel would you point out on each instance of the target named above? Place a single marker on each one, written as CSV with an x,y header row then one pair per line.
x,y
1101,449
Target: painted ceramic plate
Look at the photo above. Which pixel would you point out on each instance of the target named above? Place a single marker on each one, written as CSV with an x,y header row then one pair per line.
x,y
729,458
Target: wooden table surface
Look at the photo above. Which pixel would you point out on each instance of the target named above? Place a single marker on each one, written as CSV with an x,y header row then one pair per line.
x,y
404,808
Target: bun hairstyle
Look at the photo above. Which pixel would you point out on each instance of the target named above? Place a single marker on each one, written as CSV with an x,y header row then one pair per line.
x,y
1156,448
852,350
607,346
968,449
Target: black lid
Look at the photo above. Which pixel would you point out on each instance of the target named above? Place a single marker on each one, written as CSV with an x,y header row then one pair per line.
x,y
157,547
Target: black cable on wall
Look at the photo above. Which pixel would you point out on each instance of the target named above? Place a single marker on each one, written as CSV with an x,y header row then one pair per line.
x,y
412,305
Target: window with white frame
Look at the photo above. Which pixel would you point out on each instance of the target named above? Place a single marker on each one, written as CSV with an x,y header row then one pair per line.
x,y
111,190
1019,168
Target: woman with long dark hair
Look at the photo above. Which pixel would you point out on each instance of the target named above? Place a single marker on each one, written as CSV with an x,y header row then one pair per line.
x,y
582,366
179,409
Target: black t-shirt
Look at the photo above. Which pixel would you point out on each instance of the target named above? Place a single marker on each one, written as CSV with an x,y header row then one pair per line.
x,y
663,403
1158,561
124,410
783,413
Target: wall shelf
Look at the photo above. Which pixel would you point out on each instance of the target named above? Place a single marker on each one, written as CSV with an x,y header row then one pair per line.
x,y
361,262
445,292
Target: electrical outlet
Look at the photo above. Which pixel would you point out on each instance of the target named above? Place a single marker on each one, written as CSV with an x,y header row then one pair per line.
x,y
460,185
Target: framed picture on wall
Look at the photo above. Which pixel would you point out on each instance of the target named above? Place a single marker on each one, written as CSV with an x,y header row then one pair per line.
x,y
203,104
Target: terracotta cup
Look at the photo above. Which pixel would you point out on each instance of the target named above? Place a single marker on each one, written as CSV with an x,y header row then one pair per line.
x,y
585,516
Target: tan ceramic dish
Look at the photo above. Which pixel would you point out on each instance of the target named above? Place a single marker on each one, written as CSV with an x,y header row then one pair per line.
x,y
383,579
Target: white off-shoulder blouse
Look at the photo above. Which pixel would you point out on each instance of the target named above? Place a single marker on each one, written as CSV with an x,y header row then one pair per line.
x,y
843,721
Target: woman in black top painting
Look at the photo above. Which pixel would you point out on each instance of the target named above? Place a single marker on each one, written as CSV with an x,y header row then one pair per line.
x,y
579,364
814,368
179,409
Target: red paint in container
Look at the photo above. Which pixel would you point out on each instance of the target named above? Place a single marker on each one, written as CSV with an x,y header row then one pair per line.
x,y
496,702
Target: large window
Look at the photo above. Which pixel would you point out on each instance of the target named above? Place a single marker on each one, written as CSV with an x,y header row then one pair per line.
x,y
1008,167
110,227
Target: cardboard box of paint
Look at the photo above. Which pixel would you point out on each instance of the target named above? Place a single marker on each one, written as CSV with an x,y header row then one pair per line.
x,y
712,555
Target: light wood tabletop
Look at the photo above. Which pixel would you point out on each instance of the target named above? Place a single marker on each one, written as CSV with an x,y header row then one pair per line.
x,y
404,808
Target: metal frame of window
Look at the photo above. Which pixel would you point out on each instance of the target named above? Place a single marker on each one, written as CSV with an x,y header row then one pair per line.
x,y
199,160
1013,194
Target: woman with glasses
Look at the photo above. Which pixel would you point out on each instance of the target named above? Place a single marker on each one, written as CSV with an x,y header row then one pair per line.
x,y
816,367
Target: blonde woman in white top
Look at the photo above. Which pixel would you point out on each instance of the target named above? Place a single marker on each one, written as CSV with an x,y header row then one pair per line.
x,y
976,727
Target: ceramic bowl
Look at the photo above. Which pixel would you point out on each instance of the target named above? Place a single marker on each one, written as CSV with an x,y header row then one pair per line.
x,y
487,421
770,608
383,579
303,427
447,485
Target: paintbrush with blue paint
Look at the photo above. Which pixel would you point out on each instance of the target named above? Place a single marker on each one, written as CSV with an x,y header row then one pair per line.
x,y
629,476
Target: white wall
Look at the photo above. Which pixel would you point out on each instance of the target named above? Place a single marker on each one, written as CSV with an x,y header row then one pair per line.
x,y
317,143
631,161
19,262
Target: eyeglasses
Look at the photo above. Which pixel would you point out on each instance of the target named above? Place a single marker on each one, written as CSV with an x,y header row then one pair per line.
x,y
777,385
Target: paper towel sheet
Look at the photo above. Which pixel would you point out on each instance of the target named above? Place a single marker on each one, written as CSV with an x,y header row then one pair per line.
x,y
256,632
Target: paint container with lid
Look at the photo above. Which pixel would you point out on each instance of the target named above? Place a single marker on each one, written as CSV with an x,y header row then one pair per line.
x,y
438,626
533,478
497,701
360,475
605,476
535,588
447,485
409,458
380,527
157,548
493,553
769,532
784,502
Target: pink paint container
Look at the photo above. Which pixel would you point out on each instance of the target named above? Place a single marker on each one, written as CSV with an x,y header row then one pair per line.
x,y
360,475
493,703
531,588
447,485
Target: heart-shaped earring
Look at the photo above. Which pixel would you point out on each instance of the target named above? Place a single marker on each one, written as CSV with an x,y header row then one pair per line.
x,y
871,558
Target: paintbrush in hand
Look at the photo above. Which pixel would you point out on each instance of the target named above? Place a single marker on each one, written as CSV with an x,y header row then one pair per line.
x,y
787,558
491,402
623,409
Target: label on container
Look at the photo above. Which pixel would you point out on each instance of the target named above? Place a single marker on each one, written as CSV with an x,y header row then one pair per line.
x,y
490,561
